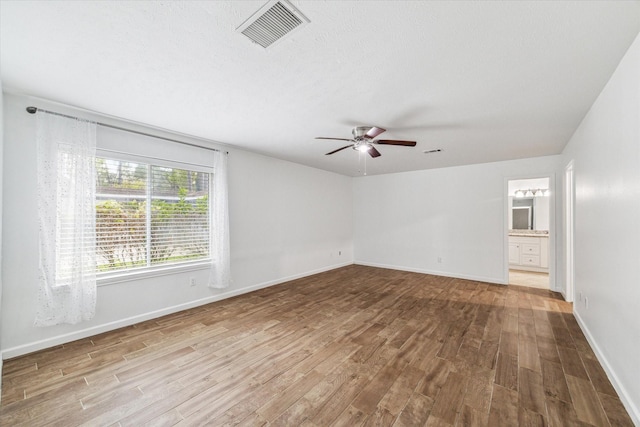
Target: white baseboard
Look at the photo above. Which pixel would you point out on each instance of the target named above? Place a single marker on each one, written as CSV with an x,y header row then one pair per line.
x,y
631,408
106,327
433,272
562,292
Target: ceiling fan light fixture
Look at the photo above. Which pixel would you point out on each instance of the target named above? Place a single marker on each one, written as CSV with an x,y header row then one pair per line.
x,y
363,148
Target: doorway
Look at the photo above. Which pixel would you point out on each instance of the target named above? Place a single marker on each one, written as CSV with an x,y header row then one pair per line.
x,y
528,232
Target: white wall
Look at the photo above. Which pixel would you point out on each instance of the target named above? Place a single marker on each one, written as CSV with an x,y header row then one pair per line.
x,y
286,221
606,153
1,170
409,220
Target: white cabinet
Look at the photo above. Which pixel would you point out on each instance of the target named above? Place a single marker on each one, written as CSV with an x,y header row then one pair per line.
x,y
514,253
530,260
541,213
529,253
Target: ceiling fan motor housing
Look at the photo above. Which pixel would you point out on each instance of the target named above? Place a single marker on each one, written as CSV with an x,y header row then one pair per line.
x,y
359,132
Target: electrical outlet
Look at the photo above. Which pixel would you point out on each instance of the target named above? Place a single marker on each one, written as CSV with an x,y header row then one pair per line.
x,y
586,302
439,260
339,253
192,281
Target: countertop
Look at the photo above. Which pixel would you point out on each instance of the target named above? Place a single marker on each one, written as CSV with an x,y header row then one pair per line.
x,y
529,233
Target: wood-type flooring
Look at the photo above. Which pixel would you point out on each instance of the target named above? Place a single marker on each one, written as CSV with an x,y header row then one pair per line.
x,y
352,346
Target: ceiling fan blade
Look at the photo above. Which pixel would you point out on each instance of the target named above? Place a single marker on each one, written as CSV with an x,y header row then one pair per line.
x,y
373,152
396,142
337,139
339,149
373,132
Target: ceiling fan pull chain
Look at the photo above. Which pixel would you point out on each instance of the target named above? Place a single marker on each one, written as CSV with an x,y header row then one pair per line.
x,y
365,162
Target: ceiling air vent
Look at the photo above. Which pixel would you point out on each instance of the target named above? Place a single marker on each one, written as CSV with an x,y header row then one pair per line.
x,y
273,21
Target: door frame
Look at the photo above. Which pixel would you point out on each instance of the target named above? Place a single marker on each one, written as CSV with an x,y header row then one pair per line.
x,y
568,289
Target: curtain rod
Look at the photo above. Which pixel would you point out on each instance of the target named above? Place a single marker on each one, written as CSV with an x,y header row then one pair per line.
x,y
33,110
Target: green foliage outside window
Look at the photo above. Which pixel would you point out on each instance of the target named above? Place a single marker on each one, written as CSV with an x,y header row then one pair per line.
x,y
179,215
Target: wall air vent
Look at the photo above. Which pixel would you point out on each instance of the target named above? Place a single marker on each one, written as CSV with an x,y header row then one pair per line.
x,y
272,22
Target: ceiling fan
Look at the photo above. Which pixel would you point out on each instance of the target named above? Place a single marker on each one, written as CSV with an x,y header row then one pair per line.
x,y
363,141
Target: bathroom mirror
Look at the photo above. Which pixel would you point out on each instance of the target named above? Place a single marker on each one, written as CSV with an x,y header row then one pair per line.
x,y
522,212
521,218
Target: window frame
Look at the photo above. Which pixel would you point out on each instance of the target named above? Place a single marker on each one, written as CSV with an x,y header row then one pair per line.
x,y
150,271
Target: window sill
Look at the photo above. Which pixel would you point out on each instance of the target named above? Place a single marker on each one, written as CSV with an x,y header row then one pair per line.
x,y
104,279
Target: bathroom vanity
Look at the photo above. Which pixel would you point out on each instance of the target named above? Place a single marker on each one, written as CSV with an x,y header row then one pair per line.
x,y
529,250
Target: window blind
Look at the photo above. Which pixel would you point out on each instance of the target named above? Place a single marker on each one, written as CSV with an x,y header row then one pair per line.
x,y
149,215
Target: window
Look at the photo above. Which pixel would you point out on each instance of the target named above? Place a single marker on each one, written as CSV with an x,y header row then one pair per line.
x,y
150,215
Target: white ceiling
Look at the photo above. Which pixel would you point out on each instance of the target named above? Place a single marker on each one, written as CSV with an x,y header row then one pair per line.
x,y
484,81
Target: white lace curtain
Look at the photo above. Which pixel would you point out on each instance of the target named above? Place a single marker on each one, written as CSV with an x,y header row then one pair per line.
x,y
66,213
220,275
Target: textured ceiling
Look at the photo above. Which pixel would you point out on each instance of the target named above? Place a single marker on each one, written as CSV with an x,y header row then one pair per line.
x,y
484,81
